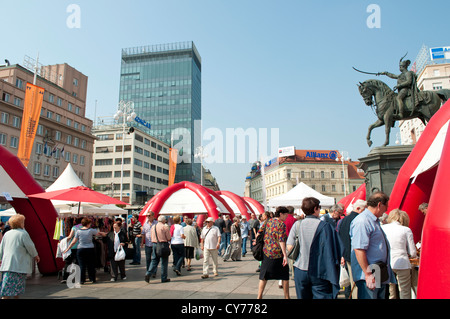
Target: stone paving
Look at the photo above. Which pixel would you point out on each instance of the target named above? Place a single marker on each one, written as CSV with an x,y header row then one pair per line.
x,y
236,280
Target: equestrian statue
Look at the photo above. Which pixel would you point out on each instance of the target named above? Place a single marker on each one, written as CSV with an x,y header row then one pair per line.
x,y
407,104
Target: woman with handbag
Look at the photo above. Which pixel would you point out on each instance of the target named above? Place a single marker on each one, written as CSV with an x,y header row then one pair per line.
x,y
274,265
236,240
116,241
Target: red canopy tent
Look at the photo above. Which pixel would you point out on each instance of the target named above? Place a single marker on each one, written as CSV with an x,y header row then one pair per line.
x,y
40,214
424,178
257,207
348,201
186,198
243,207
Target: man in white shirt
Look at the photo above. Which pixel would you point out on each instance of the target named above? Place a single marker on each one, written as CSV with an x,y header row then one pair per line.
x,y
210,243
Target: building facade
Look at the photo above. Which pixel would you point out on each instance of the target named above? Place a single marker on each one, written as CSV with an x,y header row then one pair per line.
x,y
318,169
63,134
145,168
164,83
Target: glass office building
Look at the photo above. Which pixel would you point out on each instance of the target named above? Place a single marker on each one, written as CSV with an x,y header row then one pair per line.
x,y
164,82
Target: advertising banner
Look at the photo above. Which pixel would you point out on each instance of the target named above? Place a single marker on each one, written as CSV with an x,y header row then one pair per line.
x,y
34,95
173,154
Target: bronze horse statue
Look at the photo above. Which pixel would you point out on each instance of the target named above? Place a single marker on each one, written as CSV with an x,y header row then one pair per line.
x,y
379,95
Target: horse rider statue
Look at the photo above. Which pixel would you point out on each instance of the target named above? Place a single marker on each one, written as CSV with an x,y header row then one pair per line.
x,y
406,86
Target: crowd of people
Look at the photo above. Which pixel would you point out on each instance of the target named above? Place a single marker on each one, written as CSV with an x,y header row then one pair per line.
x,y
375,252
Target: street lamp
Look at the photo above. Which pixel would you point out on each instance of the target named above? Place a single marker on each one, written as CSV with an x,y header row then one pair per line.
x,y
126,112
342,159
200,153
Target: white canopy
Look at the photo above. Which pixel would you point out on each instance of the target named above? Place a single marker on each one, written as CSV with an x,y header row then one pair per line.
x,y
295,196
109,209
67,179
8,212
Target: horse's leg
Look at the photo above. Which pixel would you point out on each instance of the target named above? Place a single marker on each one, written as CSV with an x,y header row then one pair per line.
x,y
388,123
378,123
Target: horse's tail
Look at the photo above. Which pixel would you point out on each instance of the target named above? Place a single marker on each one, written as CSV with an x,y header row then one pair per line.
x,y
444,94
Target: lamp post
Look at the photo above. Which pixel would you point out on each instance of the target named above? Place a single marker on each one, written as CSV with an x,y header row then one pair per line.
x,y
126,112
200,153
342,159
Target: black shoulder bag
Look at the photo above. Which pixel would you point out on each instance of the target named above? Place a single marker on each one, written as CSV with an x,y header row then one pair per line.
x,y
257,249
162,249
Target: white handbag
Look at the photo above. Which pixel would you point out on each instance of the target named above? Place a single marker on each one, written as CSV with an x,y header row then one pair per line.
x,y
344,279
120,254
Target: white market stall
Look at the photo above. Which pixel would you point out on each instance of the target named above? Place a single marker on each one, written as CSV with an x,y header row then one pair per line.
x,y
295,196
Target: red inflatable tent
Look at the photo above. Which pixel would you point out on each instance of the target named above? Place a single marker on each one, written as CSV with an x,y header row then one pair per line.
x,y
40,214
186,198
424,178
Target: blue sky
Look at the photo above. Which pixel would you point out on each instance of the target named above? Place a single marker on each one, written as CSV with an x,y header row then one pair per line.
x,y
265,64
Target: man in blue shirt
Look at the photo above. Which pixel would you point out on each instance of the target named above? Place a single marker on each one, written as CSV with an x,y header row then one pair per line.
x,y
245,229
370,249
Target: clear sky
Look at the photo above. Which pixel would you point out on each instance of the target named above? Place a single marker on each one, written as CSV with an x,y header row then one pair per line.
x,y
283,65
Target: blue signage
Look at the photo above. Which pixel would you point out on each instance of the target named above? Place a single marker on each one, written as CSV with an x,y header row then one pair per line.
x,y
143,122
331,155
439,53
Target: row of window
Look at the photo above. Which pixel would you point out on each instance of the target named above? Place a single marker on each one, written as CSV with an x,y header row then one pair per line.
x,y
140,138
137,162
45,170
47,95
274,191
16,122
127,148
136,174
17,101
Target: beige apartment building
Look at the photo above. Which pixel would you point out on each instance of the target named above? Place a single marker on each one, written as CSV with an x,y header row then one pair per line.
x,y
145,163
318,169
63,134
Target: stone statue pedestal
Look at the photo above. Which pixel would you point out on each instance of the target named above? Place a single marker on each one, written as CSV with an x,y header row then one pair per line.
x,y
381,167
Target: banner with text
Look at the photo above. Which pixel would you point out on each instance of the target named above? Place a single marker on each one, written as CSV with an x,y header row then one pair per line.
x,y
34,95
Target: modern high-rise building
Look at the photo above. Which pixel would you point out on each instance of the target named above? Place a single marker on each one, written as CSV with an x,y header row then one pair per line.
x,y
164,83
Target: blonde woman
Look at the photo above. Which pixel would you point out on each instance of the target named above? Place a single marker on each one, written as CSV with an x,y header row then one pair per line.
x,y
17,254
402,245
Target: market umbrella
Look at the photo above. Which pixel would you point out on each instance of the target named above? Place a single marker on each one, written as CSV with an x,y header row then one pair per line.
x,y
79,194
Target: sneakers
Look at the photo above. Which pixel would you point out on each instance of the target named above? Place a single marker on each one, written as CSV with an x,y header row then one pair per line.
x,y
147,279
177,272
205,276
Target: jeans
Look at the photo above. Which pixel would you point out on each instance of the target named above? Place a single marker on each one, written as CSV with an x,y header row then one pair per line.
x,y
222,243
148,256
178,255
86,260
154,265
137,250
244,245
366,293
308,287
